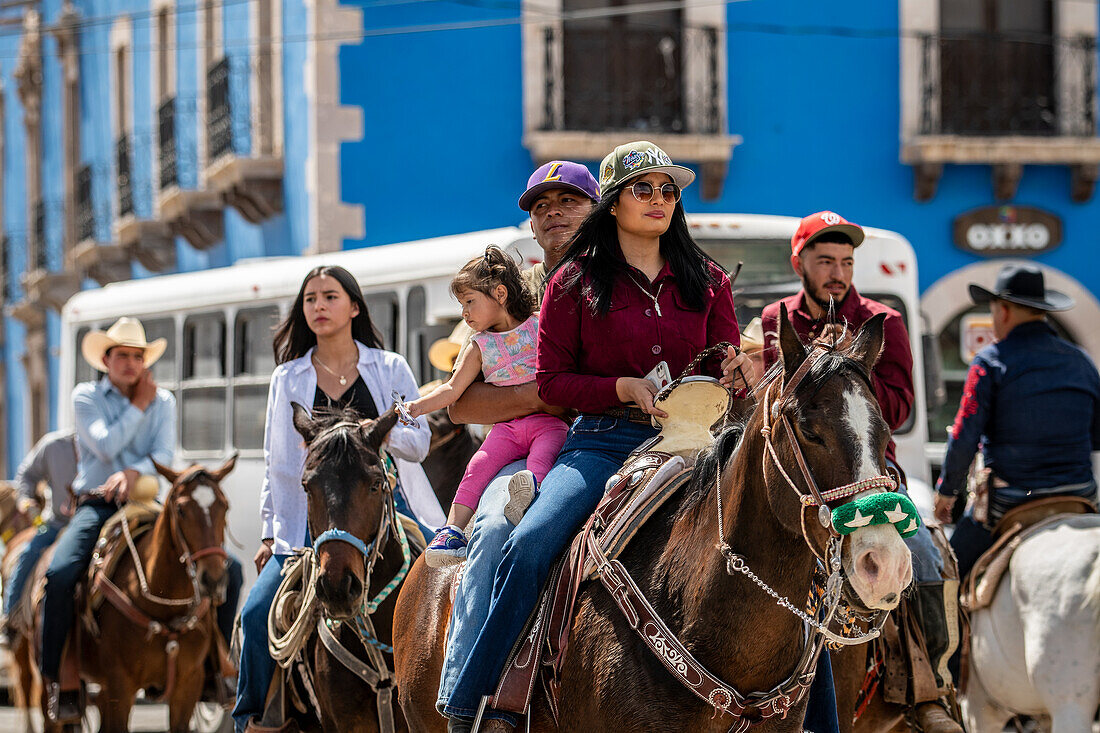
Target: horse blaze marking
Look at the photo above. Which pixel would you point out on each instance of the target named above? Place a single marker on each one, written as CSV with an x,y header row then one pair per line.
x,y
857,415
204,497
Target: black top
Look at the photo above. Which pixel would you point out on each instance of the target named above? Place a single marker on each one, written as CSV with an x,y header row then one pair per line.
x,y
357,397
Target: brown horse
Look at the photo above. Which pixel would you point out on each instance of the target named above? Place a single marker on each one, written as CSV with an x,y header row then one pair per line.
x,y
155,626
359,557
692,561
16,530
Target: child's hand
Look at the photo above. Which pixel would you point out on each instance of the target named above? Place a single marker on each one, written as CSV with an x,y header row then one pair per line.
x,y
413,408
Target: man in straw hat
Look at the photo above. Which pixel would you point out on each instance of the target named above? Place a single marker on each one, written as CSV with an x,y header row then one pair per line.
x,y
1032,400
828,307
123,423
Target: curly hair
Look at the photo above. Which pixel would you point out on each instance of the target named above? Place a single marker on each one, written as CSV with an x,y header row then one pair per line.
x,y
484,273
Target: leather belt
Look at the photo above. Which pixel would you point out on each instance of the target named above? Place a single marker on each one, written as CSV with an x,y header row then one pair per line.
x,y
633,414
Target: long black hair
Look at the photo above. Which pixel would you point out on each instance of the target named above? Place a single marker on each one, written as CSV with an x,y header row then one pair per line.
x,y
596,252
293,337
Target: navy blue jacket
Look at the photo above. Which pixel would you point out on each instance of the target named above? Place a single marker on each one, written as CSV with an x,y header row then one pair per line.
x,y
1033,401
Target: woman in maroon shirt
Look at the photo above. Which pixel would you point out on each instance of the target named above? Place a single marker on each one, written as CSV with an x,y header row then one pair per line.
x,y
632,290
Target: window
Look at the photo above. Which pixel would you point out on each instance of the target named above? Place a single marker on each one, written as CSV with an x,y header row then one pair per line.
x,y
164,371
383,309
203,392
121,111
416,350
83,371
253,364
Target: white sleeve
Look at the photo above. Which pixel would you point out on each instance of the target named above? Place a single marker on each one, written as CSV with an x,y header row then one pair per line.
x,y
406,441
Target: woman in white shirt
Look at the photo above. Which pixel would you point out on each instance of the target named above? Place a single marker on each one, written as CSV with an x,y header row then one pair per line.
x,y
328,355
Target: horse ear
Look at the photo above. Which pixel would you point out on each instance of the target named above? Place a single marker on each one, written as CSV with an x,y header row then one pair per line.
x,y
375,431
868,343
791,349
166,472
303,422
225,468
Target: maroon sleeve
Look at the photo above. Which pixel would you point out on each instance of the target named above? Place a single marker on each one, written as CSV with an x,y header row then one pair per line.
x,y
721,323
769,324
893,374
559,345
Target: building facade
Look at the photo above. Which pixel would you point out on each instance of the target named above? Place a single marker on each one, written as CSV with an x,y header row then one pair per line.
x,y
140,137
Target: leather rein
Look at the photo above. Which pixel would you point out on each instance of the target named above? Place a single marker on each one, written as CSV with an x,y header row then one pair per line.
x,y
752,708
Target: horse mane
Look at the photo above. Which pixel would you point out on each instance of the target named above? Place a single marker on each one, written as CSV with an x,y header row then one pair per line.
x,y
706,467
336,446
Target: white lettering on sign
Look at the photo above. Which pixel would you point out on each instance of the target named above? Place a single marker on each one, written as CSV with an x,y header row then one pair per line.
x,y
1008,236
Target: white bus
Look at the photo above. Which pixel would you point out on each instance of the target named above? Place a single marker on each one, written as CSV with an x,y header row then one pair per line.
x,y
218,327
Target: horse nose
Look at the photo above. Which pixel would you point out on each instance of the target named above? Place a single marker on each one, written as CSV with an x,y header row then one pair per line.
x,y
340,596
883,572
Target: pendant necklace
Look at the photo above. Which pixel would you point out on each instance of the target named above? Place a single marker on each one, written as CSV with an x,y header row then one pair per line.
x,y
341,377
650,295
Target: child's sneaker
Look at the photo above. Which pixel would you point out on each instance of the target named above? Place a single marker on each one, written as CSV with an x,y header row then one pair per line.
x,y
521,492
448,547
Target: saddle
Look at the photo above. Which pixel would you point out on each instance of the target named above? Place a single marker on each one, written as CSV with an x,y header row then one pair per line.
x,y
650,475
112,547
1014,527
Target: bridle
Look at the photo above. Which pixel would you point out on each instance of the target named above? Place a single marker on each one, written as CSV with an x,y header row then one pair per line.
x,y
775,418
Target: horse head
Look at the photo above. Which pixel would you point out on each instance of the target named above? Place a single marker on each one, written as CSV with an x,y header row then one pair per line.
x,y
827,441
195,510
349,502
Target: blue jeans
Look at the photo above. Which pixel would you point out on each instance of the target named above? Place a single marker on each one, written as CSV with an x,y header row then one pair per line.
x,y
67,567
473,596
256,667
24,565
594,449
821,715
402,506
927,560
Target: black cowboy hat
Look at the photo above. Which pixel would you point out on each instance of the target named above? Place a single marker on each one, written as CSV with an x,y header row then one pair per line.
x,y
1022,284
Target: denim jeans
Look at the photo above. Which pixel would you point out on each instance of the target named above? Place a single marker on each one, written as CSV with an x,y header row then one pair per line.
x,y
595,448
821,715
67,567
927,560
256,667
473,596
24,565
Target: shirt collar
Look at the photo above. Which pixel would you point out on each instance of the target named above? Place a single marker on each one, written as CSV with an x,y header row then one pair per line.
x,y
1031,328
366,356
107,386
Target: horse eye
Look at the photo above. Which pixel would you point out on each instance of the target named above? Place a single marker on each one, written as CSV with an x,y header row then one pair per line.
x,y
811,435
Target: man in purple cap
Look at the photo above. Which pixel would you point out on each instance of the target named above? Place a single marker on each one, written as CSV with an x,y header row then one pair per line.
x,y
559,195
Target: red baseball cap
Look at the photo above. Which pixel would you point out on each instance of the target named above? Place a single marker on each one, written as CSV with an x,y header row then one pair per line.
x,y
814,226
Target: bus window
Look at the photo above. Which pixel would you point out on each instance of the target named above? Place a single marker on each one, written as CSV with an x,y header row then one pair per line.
x,y
204,346
202,390
164,371
416,311
83,371
254,362
202,413
383,308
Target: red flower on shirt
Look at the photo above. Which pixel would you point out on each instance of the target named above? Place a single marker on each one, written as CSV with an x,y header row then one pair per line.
x,y
969,404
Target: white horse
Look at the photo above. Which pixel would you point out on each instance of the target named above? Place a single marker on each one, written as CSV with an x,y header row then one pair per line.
x,y
1036,649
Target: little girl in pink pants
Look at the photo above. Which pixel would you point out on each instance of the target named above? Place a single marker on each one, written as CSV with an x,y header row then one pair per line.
x,y
498,306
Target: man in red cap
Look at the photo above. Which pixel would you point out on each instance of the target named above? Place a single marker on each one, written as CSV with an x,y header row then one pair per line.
x,y
829,307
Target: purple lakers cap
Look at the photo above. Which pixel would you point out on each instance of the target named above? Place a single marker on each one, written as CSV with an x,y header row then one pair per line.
x,y
559,174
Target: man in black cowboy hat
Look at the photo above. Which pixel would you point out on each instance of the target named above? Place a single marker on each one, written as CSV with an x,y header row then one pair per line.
x,y
1033,402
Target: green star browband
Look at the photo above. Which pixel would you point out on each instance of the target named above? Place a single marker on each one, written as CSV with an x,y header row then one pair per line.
x,y
884,508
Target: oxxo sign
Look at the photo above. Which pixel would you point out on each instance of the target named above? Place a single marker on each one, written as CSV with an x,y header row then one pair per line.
x,y
1007,231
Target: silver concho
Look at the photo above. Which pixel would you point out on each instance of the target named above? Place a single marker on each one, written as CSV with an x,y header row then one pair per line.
x,y
825,516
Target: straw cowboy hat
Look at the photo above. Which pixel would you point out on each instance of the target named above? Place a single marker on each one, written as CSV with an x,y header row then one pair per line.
x,y
444,353
752,338
124,332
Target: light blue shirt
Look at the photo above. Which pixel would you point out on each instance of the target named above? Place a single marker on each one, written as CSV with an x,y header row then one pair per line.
x,y
113,435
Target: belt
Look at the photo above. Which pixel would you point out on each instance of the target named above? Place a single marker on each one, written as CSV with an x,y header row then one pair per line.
x,y
633,414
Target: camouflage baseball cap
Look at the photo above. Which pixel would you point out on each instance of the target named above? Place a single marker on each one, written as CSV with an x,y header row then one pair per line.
x,y
636,159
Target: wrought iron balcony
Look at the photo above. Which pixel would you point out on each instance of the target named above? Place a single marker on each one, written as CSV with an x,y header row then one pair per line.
x,y
166,143
219,116
40,261
996,85
638,79
123,171
85,210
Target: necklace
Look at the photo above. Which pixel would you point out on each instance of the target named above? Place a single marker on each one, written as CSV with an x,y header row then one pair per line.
x,y
341,377
650,295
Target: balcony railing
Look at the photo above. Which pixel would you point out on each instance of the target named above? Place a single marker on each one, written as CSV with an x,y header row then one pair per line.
x,y
41,261
125,181
166,143
5,268
85,211
1006,85
219,116
637,79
